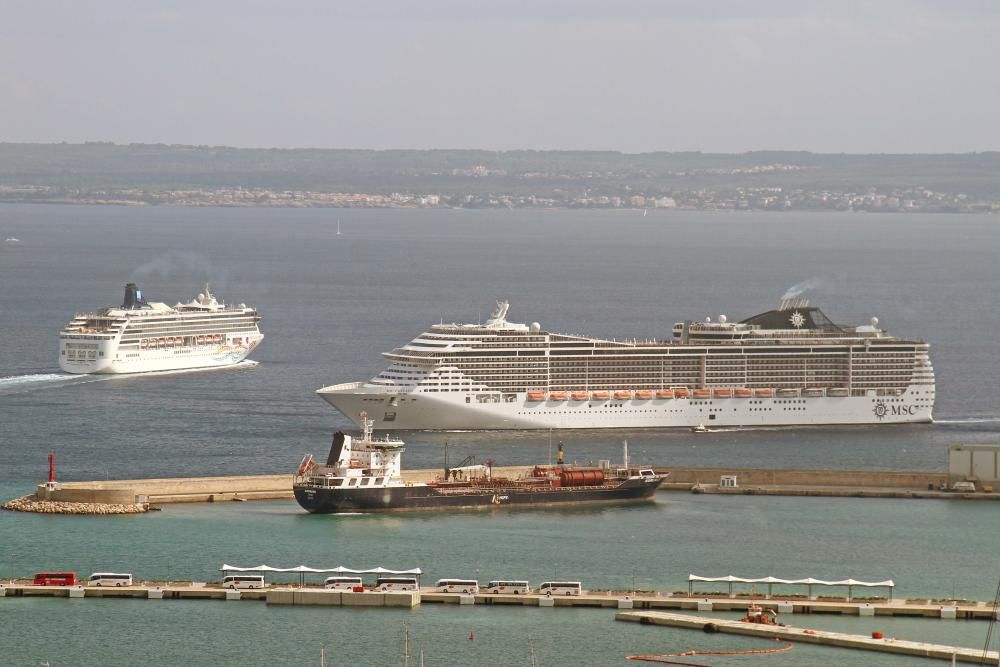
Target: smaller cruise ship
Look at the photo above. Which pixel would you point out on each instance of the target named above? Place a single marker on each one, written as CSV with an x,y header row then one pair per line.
x,y
141,336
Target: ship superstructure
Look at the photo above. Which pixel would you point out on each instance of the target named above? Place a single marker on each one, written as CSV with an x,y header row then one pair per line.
x,y
787,366
141,336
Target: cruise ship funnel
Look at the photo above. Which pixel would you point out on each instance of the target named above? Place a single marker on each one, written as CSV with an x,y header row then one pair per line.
x,y
131,297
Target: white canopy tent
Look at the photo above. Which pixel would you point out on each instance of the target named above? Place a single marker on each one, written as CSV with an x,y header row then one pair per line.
x,y
809,582
302,570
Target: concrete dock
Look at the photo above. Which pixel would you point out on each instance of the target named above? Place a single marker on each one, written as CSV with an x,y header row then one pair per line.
x,y
314,595
852,483
823,637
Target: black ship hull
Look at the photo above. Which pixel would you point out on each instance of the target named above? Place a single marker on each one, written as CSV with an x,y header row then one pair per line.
x,y
320,500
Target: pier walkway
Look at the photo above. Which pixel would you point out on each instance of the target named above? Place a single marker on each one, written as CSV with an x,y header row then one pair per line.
x,y
824,637
315,595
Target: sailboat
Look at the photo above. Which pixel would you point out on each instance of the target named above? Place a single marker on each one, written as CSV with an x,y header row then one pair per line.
x,y
338,226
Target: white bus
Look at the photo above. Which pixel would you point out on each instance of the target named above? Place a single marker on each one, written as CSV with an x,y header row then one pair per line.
x,y
343,583
392,584
109,579
466,586
510,587
560,588
243,581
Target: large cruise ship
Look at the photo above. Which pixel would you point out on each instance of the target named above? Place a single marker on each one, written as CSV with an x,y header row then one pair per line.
x,y
138,337
789,366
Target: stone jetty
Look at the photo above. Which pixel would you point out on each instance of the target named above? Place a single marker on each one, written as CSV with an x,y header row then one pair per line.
x,y
32,504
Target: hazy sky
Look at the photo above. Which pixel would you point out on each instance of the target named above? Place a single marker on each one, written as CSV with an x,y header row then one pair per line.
x,y
631,75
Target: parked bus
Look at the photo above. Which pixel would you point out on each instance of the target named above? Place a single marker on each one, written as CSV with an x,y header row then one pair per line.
x,y
343,583
508,587
392,584
560,588
55,579
243,581
109,579
466,586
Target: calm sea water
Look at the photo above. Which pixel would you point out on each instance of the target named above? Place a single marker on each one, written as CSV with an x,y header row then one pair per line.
x,y
331,304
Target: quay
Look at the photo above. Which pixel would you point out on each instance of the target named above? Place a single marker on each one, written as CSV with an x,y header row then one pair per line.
x,y
751,481
823,637
285,594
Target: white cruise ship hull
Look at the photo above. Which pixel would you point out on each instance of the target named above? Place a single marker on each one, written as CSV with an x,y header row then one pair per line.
x,y
458,411
109,359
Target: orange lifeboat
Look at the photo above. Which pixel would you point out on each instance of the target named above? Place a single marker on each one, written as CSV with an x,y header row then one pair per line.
x,y
220,338
624,395
162,342
681,393
665,393
763,393
743,393
200,340
600,395
557,396
580,396
701,393
536,395
723,393
643,393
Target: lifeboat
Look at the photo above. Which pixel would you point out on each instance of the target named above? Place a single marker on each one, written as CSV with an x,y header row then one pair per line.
x,y
723,393
220,338
162,342
536,395
644,393
837,392
813,392
624,395
701,393
681,393
763,393
600,395
743,393
557,396
785,393
580,395
665,393
178,340
200,340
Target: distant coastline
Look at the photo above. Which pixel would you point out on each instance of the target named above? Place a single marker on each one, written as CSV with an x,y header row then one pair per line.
x,y
101,173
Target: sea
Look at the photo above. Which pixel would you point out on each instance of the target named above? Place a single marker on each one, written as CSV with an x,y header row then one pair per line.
x,y
332,303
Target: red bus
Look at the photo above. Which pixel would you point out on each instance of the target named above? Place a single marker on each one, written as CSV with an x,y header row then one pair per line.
x,y
55,579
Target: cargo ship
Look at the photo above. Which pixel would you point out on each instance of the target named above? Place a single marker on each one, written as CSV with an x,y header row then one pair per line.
x,y
364,475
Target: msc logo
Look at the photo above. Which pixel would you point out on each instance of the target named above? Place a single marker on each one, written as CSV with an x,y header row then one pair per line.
x,y
882,410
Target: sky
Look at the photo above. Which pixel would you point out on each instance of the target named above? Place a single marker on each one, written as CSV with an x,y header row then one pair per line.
x,y
889,76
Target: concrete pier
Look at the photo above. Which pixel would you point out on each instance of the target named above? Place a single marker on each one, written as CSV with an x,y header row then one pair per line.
x,y
136,495
314,595
823,637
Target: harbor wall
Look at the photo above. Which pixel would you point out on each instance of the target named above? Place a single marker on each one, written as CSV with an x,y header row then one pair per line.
x,y
810,478
260,487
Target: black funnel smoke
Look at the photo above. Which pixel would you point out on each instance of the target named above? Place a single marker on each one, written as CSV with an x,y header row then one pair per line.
x,y
131,297
335,449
